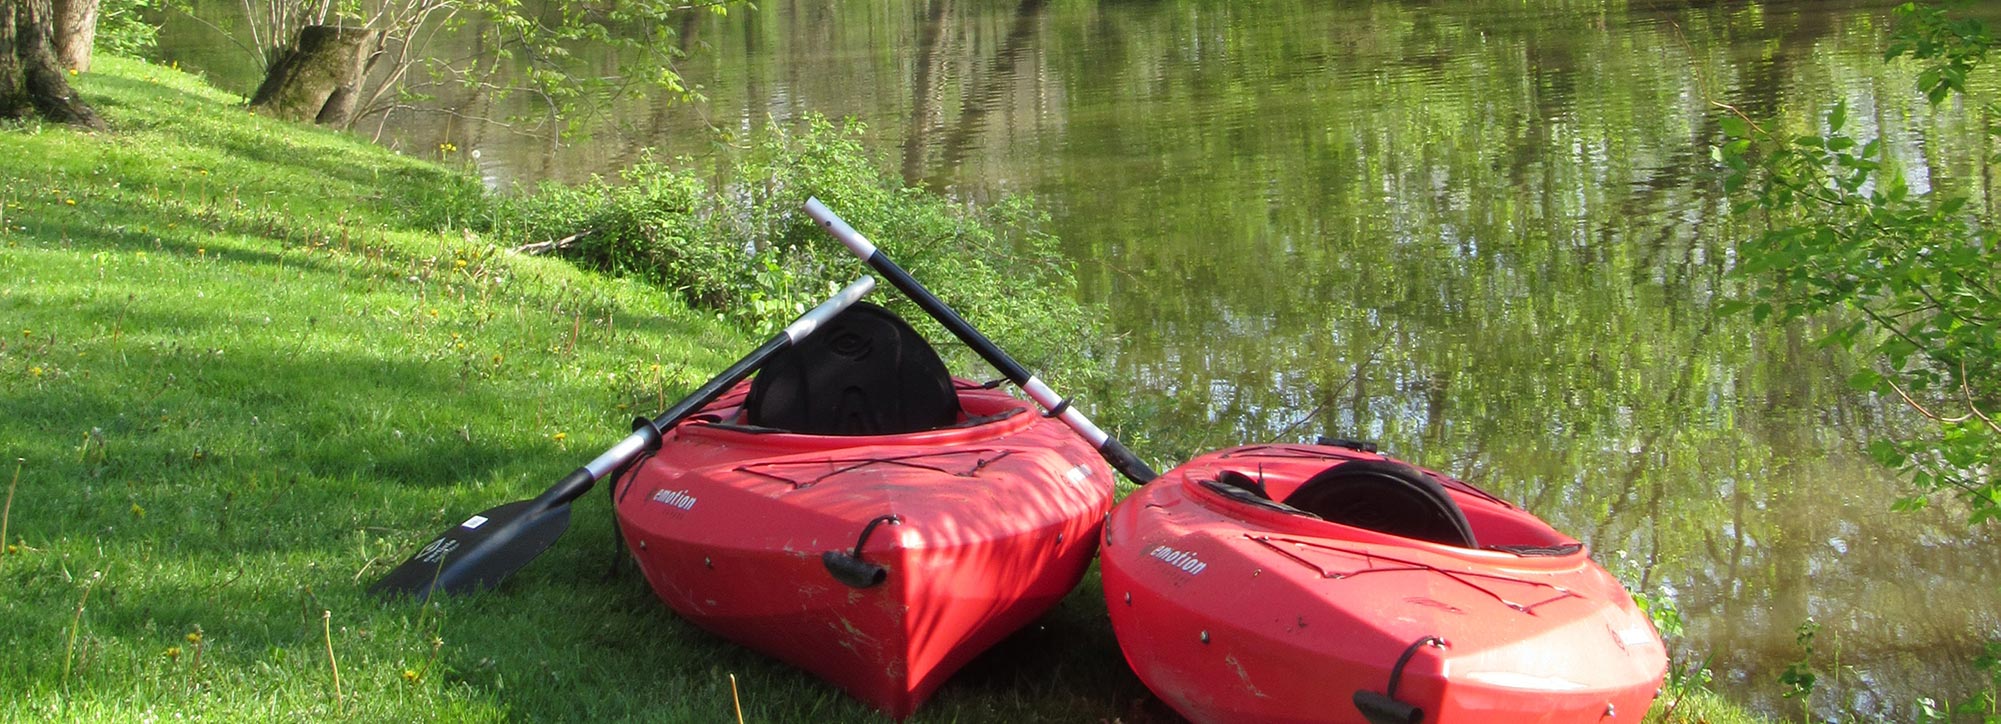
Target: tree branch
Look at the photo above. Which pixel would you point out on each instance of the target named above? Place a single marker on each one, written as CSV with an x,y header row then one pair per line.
x,y
543,246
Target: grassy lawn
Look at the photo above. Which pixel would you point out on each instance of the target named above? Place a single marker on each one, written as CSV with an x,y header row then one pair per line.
x,y
242,375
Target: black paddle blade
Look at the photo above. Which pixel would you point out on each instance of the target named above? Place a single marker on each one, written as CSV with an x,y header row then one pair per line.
x,y
479,552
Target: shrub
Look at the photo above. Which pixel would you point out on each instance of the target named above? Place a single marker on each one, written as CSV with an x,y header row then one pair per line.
x,y
730,235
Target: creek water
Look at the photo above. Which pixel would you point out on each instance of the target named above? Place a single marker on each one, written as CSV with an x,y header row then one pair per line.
x,y
1486,233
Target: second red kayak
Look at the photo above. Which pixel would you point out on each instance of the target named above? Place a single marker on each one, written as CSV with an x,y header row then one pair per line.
x,y
1314,583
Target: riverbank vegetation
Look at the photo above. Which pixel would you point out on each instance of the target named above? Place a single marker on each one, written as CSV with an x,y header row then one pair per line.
x,y
727,235
1900,268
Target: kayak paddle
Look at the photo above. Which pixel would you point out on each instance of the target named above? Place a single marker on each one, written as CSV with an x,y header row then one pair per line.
x,y
1113,451
494,544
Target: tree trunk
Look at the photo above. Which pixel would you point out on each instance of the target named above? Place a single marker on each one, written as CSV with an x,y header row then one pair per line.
x,y
75,31
317,80
14,101
44,83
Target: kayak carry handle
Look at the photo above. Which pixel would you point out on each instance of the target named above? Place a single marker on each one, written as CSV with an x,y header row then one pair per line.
x,y
1384,708
849,568
1379,709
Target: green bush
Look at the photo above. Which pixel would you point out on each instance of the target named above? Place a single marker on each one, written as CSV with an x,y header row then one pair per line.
x,y
128,27
730,236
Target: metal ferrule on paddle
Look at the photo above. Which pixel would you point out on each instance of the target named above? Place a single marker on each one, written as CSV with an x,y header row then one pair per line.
x,y
1114,452
499,541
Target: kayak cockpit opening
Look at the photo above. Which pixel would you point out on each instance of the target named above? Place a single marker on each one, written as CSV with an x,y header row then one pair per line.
x,y
1397,499
1386,497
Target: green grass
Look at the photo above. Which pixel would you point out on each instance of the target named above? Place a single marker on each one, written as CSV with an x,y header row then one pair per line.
x,y
244,378
242,375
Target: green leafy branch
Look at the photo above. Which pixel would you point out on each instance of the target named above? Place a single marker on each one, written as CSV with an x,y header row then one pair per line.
x,y
1909,275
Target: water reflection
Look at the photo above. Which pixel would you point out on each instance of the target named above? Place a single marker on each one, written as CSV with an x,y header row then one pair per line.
x,y
1483,232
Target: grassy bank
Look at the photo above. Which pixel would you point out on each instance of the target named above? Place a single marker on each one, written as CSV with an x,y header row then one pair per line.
x,y
242,374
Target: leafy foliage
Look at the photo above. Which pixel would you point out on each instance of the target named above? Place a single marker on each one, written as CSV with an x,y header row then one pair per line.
x,y
1801,676
1912,268
126,27
729,236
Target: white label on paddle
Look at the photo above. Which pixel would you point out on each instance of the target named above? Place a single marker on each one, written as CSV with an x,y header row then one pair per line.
x,y
1079,474
473,522
437,550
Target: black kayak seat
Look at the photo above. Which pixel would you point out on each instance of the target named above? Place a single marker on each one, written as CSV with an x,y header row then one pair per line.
x,y
1386,497
865,373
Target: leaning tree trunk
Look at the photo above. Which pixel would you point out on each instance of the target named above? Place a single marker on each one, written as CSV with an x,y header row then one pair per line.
x,y
76,30
31,71
318,79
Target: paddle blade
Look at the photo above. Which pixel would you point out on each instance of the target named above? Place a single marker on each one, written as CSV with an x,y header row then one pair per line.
x,y
479,552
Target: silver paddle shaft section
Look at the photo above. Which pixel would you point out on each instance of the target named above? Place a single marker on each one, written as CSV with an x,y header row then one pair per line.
x,y
817,316
1048,399
860,245
640,440
1114,452
625,450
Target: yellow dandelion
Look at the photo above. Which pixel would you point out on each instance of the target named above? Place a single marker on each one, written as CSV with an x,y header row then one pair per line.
x,y
138,512
434,313
559,437
201,251
172,652
36,371
496,359
13,549
194,637
27,333
410,676
460,263
71,202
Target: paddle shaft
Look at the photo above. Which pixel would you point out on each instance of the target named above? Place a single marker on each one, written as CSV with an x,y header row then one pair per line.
x,y
1114,452
646,433
498,541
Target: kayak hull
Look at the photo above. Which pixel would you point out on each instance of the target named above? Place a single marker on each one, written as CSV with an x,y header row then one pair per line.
x,y
881,564
1233,612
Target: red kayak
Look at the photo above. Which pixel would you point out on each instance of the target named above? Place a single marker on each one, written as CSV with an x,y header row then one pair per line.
x,y
1315,583
859,514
